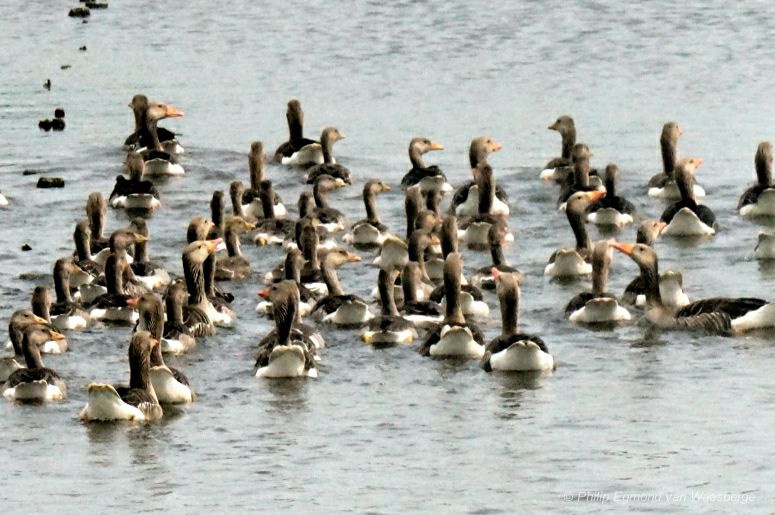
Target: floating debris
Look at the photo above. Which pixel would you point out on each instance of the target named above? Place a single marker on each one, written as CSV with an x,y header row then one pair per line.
x,y
47,84
51,182
26,248
79,12
45,125
82,48
65,67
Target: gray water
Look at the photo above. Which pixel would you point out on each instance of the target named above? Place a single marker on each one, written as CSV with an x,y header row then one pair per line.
x,y
625,413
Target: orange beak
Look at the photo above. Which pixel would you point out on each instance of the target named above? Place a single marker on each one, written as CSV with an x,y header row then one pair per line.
x,y
661,226
625,248
132,302
353,258
436,146
57,336
171,112
212,245
680,131
553,127
496,146
495,273
595,195
264,294
154,342
697,162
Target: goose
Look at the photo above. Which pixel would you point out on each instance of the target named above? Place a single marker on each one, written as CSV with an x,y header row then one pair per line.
x,y
118,243
36,383
765,246
612,209
420,172
572,262
96,208
454,337
284,353
90,269
337,307
465,202
311,276
41,308
177,337
759,200
170,384
234,266
251,204
197,313
329,166
475,230
722,315
136,402
114,306
332,219
422,314
218,299
579,180
66,314
294,261
483,278
662,185
597,306
296,140
141,137
3,201
513,351
158,162
558,168
685,217
670,282
272,230
393,253
389,328
134,193
20,319
370,231
152,275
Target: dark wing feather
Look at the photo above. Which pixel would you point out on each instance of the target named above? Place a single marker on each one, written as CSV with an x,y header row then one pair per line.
x,y
28,375
336,171
578,302
735,308
415,175
751,195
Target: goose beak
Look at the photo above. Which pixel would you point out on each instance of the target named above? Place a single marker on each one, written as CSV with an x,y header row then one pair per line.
x,y
625,248
171,112
353,258
496,274
154,342
139,238
132,302
697,161
496,146
340,183
264,294
39,320
680,131
212,245
57,336
436,146
553,127
661,227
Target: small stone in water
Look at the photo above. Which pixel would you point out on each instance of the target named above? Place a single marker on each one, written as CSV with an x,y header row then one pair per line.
x,y
26,248
51,182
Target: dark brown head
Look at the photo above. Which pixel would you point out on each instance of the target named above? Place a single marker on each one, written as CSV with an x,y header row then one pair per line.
x,y
563,124
159,110
670,133
198,229
421,145
198,251
375,186
581,200
649,231
135,165
480,148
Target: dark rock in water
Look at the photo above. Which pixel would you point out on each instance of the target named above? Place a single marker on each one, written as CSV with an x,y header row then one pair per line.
x,y
51,182
97,5
79,12
58,124
82,48
32,171
59,112
65,67
45,125
47,84
26,248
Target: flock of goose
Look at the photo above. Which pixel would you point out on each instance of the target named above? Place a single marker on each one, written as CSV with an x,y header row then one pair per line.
x,y
421,288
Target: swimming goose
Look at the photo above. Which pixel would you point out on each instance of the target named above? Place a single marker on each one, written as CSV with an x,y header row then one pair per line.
x,y
483,278
197,312
337,307
272,230
332,219
465,202
759,200
152,275
370,231
311,276
16,326
136,402
765,246
170,384
96,208
296,140
670,282
119,242
36,383
329,166
597,306
420,172
141,138
177,337
423,314
158,162
579,180
41,308
723,315
474,232
251,205
114,306
454,337
294,261
389,328
448,242
284,353
558,168
234,266
65,313
685,217
662,185
219,299
90,269
513,351
134,193
611,210
572,262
